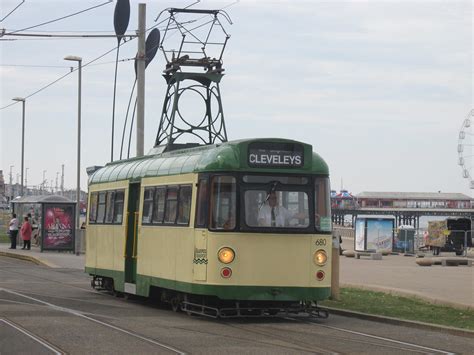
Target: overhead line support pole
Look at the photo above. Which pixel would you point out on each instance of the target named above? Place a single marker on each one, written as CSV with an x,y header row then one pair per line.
x,y
141,78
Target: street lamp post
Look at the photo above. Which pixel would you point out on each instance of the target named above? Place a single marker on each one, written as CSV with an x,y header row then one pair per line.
x,y
26,181
43,183
22,100
78,189
11,183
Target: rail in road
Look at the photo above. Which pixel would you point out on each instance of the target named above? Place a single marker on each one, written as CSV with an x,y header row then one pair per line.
x,y
61,314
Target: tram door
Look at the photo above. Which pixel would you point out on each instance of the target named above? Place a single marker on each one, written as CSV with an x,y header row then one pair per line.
x,y
130,253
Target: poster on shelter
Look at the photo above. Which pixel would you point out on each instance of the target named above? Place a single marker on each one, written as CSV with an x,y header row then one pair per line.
x,y
380,235
360,235
58,227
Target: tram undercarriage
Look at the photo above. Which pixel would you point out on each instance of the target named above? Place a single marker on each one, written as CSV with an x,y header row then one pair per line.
x,y
213,307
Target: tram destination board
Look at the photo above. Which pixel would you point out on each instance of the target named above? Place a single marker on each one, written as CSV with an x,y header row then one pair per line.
x,y
267,154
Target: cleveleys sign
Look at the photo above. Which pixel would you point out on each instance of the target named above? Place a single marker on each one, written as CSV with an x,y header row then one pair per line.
x,y
269,155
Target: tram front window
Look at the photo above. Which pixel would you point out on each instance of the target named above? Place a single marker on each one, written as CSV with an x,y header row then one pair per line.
x,y
223,202
276,209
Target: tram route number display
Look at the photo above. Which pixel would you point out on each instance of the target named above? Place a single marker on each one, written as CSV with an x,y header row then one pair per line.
x,y
275,155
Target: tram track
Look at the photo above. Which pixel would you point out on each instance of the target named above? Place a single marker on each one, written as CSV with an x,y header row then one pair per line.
x,y
35,337
84,316
271,336
278,333
400,345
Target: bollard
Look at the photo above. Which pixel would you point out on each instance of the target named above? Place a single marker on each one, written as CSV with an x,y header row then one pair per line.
x,y
335,295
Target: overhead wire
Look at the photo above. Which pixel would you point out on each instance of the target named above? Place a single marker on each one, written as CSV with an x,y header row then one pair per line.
x,y
60,18
17,6
97,58
63,76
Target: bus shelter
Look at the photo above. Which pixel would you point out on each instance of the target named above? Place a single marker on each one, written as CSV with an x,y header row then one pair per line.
x,y
374,233
52,219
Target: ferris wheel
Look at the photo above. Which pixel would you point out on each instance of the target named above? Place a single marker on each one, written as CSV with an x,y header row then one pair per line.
x,y
465,151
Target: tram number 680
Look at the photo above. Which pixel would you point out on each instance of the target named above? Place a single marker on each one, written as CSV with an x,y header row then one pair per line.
x,y
320,242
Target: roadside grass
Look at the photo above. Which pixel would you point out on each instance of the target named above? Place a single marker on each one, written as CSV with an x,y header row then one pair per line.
x,y
409,308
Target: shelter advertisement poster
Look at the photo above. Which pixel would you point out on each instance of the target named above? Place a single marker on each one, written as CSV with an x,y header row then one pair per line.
x,y
360,235
380,235
58,227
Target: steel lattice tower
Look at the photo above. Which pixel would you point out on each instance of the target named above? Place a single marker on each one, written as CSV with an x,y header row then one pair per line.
x,y
192,72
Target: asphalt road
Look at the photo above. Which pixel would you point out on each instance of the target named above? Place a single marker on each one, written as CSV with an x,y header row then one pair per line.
x,y
48,311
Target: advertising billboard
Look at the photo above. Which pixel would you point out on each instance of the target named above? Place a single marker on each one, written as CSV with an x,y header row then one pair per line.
x,y
360,235
58,227
380,235
374,234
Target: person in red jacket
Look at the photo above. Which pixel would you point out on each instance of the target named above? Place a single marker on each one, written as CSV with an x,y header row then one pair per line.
x,y
26,234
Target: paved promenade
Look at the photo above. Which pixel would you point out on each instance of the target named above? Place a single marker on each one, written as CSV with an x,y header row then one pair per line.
x,y
394,273
398,274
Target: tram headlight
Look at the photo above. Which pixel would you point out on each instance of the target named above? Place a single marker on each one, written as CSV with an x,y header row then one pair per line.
x,y
320,257
226,255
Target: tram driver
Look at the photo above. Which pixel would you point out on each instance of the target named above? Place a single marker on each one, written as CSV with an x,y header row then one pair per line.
x,y
273,215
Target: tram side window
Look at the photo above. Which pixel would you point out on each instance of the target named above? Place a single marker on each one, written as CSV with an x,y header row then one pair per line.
x,y
93,207
159,205
184,205
147,205
118,207
171,205
223,202
101,207
202,204
109,210
322,202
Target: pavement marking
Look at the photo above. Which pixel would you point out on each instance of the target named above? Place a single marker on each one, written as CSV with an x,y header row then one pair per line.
x,y
27,333
383,338
79,314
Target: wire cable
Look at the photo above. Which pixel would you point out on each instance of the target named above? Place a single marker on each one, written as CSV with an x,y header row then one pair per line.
x,y
61,18
17,6
62,77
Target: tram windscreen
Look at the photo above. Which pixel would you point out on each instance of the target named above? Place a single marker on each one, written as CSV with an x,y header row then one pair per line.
x,y
276,209
322,204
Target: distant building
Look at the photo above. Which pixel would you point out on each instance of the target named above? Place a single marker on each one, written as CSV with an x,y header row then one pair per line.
x,y
2,184
414,200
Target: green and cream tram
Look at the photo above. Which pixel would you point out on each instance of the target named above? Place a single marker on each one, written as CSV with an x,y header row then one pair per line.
x,y
237,228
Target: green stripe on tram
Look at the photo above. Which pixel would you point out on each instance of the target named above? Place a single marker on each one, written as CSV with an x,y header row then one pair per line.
x,y
254,293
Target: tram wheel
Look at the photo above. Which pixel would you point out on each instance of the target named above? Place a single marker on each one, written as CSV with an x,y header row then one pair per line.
x,y
175,304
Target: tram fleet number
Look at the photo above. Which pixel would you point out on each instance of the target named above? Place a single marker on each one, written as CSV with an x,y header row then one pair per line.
x,y
320,242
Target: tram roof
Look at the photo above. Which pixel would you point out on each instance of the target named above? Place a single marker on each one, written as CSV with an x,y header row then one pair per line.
x,y
228,156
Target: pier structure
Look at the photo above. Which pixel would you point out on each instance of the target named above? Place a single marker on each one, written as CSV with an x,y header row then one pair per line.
x,y
406,207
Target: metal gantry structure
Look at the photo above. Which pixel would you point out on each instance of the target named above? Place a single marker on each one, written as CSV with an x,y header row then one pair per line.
x,y
194,68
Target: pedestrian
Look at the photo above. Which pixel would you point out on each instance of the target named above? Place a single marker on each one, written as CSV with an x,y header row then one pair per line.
x,y
26,234
13,229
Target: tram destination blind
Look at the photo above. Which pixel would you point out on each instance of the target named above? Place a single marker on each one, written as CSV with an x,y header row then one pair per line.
x,y
275,155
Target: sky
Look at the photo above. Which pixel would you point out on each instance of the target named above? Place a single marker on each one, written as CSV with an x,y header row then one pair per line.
x,y
380,89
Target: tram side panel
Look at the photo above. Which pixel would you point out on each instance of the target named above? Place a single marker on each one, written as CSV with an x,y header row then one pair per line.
x,y
165,252
105,242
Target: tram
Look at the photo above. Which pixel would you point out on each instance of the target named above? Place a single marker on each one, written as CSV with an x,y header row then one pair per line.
x,y
240,228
